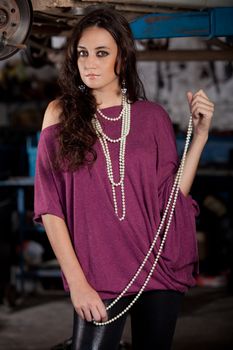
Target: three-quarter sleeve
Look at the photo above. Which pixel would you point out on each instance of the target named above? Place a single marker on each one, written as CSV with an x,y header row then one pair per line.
x,y
180,249
47,191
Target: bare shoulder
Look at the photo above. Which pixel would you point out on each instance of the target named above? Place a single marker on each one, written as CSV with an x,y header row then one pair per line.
x,y
52,114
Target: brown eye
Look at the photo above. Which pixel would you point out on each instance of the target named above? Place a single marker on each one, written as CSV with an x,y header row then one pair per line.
x,y
82,53
102,53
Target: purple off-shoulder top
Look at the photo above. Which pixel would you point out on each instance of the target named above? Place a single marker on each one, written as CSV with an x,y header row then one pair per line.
x,y
110,250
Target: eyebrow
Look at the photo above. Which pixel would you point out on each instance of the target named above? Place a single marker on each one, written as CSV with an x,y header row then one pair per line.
x,y
97,48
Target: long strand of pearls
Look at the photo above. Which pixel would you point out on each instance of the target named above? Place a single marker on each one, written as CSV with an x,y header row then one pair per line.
x,y
166,215
111,119
125,128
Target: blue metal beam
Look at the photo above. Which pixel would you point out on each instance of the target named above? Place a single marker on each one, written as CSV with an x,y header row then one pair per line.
x,y
209,23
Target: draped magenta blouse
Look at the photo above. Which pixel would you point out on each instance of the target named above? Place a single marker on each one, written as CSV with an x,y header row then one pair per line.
x,y
110,250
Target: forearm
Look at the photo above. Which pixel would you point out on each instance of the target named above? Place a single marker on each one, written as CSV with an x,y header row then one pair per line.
x,y
202,112
59,238
85,299
191,163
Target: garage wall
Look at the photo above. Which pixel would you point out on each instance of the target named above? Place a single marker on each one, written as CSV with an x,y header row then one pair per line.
x,y
167,83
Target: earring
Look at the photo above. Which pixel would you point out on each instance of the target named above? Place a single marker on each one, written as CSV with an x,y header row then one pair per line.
x,y
82,88
123,87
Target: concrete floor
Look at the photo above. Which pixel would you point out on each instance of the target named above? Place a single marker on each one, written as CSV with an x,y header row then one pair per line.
x,y
44,319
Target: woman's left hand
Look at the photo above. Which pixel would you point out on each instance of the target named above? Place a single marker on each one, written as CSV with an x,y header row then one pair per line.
x,y
202,110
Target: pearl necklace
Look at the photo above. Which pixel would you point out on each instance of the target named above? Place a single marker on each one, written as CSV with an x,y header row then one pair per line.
x,y
166,220
111,119
125,128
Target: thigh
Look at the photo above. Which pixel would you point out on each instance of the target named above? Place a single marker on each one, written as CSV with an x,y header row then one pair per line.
x,y
153,319
87,336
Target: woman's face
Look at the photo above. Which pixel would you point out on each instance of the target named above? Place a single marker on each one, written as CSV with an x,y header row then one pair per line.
x,y
97,53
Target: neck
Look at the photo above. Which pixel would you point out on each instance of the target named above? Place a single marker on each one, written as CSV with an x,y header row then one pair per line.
x,y
108,99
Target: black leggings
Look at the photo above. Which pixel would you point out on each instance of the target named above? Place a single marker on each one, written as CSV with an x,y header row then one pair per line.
x,y
153,320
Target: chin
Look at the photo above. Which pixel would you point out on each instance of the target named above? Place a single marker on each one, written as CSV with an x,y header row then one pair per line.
x,y
94,86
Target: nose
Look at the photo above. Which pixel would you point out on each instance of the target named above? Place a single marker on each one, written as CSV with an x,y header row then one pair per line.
x,y
90,62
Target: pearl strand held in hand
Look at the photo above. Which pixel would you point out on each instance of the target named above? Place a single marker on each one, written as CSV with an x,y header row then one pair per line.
x,y
166,220
125,128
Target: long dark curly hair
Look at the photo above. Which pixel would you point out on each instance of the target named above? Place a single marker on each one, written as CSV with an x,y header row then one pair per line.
x,y
76,133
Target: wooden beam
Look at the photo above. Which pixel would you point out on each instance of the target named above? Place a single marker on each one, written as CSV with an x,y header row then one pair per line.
x,y
186,55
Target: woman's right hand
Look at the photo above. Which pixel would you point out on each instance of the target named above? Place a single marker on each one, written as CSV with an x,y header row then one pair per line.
x,y
87,302
85,299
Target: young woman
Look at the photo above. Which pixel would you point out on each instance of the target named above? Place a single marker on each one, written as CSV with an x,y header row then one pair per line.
x,y
106,165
